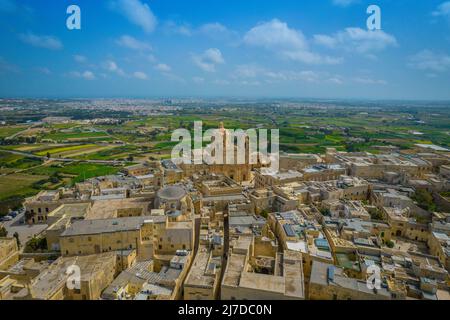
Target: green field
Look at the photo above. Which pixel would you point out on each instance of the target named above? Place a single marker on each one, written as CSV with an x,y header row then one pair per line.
x,y
13,161
76,136
7,131
78,171
55,151
18,185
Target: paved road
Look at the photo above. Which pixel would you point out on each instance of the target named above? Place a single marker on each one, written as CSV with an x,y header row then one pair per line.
x,y
29,155
25,231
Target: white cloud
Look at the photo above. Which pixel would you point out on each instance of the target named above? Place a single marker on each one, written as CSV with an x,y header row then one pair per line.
x,y
151,58
136,12
213,28
86,75
289,43
336,80
112,66
325,40
43,70
357,40
198,79
275,34
140,75
344,3
244,72
171,27
218,31
209,59
163,67
369,81
79,58
427,60
443,10
129,42
41,41
221,82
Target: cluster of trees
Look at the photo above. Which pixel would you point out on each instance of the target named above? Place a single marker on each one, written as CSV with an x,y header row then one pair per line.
x,y
55,178
4,234
36,245
424,200
18,140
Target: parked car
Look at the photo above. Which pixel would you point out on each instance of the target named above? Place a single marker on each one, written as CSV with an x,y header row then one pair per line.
x,y
13,214
7,218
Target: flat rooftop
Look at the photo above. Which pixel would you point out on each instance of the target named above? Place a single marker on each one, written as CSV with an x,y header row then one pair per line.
x,y
91,227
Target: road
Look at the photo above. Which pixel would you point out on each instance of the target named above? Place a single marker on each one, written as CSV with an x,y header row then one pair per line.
x,y
25,231
43,158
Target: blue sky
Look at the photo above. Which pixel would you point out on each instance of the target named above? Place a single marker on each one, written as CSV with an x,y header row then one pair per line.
x,y
232,48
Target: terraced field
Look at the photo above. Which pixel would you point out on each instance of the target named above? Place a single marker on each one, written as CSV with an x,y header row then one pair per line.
x,y
18,185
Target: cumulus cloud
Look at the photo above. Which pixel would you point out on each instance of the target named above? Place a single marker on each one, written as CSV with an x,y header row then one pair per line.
x,y
443,10
369,81
289,43
212,30
357,40
163,67
428,60
112,66
86,75
172,27
43,70
208,60
129,42
80,58
198,80
140,75
344,3
218,31
244,73
275,34
41,41
136,12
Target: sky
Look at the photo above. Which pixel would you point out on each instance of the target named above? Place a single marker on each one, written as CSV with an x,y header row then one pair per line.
x,y
225,48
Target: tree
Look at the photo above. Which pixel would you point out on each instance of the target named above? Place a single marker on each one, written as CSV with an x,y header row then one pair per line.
x,y
264,214
16,235
424,200
3,232
325,212
36,245
390,244
48,155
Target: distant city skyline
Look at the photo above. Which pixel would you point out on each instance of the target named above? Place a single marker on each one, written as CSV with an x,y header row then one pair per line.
x,y
226,48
